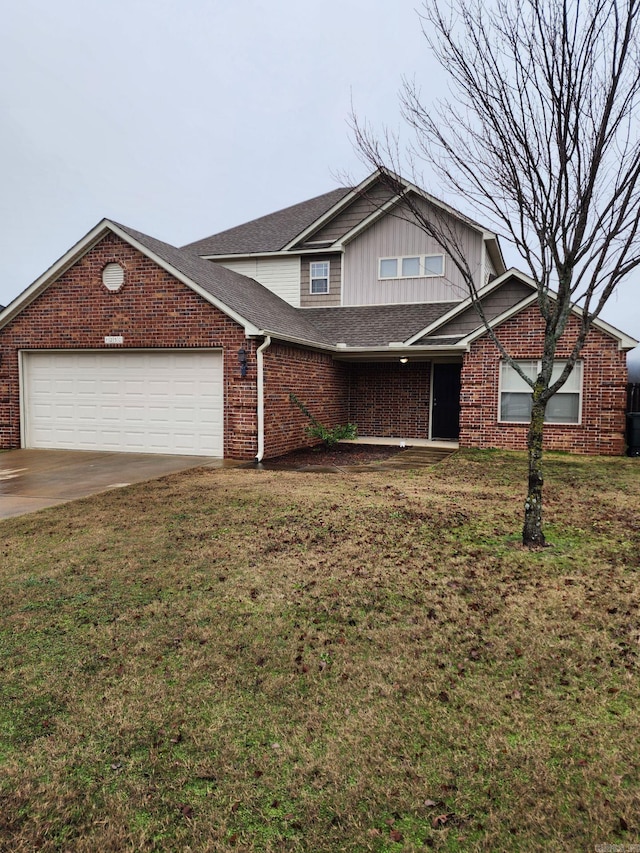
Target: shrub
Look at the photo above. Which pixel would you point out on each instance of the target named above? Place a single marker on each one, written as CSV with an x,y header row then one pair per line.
x,y
330,436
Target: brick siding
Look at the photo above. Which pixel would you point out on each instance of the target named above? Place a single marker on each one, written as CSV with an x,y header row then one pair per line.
x,y
152,309
155,310
320,383
390,399
603,394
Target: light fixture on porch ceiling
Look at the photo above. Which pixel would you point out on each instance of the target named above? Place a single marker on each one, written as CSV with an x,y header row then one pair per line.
x,y
404,359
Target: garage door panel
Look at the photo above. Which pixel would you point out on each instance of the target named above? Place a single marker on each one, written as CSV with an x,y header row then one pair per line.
x,y
128,401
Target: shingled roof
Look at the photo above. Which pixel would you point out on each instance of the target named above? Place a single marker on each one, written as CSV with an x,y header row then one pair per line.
x,y
243,295
375,325
358,326
269,233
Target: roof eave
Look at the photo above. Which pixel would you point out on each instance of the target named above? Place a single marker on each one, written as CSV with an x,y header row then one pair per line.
x,y
57,269
249,328
494,250
239,256
329,214
396,353
85,245
466,303
386,352
625,342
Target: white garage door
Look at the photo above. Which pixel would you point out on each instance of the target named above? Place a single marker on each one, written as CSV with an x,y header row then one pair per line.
x,y
144,402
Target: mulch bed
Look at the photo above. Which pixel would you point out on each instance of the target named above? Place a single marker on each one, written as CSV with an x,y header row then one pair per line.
x,y
342,454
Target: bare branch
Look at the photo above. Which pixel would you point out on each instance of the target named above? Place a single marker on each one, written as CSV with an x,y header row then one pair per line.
x,y
541,138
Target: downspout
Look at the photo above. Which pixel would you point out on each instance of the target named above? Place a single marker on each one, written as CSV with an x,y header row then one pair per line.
x,y
260,389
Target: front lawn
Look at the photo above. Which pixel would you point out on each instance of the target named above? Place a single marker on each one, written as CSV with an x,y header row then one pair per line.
x,y
271,661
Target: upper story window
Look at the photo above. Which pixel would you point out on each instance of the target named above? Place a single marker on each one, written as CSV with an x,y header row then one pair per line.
x,y
320,277
565,407
414,266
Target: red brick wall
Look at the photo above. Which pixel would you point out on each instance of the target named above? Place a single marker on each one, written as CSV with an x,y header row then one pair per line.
x,y
603,394
320,383
390,399
152,309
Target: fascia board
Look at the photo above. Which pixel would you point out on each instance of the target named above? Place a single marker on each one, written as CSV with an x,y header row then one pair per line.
x,y
625,342
466,303
55,271
241,256
492,240
249,328
457,214
395,353
329,214
85,245
501,318
366,223
292,339
390,351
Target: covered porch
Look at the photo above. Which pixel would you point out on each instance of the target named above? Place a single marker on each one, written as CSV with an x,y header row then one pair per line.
x,y
412,400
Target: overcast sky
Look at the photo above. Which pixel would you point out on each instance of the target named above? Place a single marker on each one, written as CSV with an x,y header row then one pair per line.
x,y
185,117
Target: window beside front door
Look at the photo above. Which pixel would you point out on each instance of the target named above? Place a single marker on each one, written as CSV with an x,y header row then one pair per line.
x,y
565,407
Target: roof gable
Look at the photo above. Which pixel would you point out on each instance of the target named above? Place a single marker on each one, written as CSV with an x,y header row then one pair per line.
x,y
241,298
269,233
513,287
496,299
329,221
261,312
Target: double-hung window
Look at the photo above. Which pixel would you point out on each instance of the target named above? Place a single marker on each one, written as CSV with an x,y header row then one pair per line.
x,y
320,277
565,407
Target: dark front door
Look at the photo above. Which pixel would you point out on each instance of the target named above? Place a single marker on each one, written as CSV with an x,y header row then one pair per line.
x,y
445,404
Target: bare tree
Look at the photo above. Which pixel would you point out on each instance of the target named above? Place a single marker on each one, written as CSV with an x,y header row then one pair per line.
x,y
541,136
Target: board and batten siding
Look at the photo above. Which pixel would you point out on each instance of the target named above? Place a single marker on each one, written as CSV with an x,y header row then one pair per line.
x,y
359,209
392,236
496,303
279,275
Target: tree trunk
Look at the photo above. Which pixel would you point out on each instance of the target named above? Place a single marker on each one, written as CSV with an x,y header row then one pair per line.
x,y
532,535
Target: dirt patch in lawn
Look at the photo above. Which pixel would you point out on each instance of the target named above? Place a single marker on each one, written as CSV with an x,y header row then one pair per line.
x,y
340,455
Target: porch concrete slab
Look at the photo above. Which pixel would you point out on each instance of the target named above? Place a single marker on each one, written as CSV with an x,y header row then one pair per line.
x,y
34,479
438,444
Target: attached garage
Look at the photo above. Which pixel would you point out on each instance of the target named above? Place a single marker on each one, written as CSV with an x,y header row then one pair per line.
x,y
143,401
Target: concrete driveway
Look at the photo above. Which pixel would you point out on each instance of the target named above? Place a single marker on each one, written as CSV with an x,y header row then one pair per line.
x,y
34,479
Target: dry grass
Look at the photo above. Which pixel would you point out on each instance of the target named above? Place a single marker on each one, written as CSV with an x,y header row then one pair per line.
x,y
254,661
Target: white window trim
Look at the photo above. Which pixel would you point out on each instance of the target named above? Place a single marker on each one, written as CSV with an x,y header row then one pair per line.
x,y
400,258
313,278
579,364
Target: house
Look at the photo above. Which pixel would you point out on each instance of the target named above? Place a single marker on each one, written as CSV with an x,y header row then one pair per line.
x,y
130,344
